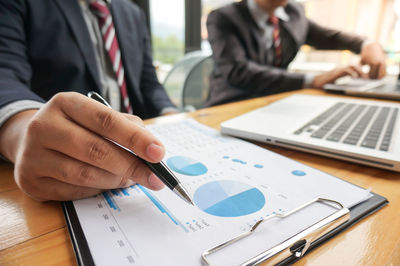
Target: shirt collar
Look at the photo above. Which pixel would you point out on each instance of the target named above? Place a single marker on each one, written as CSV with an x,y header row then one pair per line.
x,y
261,17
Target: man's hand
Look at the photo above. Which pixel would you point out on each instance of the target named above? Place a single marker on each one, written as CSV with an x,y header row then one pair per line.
x,y
372,54
60,152
330,76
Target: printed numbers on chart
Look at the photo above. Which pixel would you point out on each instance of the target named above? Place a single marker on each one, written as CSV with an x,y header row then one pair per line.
x,y
121,243
131,259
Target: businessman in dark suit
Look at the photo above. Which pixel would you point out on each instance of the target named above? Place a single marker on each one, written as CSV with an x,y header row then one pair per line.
x,y
52,52
253,42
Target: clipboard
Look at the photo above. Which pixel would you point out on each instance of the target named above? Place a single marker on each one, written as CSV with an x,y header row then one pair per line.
x,y
293,246
284,253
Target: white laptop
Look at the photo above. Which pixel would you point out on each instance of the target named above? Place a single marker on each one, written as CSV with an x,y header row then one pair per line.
x,y
362,131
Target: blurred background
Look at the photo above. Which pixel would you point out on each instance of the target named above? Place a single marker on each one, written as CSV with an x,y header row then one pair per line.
x,y
174,24
178,27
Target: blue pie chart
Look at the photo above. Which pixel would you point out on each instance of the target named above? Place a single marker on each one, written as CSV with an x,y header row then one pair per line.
x,y
186,166
228,198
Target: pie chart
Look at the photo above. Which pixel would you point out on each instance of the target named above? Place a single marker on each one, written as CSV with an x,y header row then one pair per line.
x,y
228,198
186,166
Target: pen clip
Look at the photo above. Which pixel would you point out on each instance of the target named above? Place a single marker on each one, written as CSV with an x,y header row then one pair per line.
x,y
95,96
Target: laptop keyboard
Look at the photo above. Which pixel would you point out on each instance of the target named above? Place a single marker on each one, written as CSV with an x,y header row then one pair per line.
x,y
354,124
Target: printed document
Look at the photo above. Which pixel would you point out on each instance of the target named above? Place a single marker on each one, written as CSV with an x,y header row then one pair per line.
x,y
233,183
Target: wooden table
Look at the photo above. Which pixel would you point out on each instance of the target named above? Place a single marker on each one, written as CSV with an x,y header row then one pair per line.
x,y
33,233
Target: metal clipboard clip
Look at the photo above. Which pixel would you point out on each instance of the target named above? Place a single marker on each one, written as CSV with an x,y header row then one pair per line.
x,y
295,246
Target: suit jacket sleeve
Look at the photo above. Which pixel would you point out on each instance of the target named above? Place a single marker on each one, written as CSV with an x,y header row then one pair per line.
x,y
328,39
15,70
233,63
154,93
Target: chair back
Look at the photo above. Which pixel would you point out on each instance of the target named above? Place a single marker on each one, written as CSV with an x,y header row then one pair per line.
x,y
187,84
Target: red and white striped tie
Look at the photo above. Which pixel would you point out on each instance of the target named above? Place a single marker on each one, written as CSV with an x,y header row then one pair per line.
x,y
111,45
274,21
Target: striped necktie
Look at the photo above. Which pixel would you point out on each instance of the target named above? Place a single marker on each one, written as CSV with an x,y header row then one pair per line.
x,y
101,10
274,21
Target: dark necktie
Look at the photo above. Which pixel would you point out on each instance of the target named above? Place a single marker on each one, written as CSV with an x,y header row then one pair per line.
x,y
274,21
101,10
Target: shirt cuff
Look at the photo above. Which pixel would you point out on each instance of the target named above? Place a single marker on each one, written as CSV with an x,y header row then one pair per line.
x,y
169,110
308,80
11,109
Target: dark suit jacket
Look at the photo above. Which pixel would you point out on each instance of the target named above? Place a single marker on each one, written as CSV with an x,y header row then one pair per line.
x,y
240,56
45,48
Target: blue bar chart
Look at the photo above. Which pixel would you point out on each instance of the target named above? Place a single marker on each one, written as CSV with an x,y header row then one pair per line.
x,y
110,201
113,196
162,208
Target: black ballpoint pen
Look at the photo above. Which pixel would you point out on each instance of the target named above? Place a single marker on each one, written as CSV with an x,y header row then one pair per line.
x,y
159,169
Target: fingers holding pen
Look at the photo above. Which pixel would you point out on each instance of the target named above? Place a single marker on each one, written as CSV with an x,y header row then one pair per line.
x,y
61,158
106,122
47,188
72,171
91,160
65,178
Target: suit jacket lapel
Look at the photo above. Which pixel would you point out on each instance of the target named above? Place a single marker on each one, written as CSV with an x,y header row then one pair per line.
x,y
295,28
258,35
74,17
128,35
255,31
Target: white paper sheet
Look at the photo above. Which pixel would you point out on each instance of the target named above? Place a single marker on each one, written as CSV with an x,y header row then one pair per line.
x,y
234,184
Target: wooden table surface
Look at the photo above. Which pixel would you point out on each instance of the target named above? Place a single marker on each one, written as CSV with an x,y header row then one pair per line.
x,y
33,233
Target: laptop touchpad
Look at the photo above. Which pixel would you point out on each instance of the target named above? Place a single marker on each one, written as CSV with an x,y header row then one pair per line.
x,y
290,109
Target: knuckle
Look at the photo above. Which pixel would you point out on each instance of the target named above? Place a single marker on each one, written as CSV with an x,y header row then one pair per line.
x,y
134,139
131,172
106,120
84,175
137,119
64,173
59,98
35,126
99,150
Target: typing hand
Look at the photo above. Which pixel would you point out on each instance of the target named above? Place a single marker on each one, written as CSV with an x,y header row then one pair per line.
x,y
330,76
61,153
373,55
